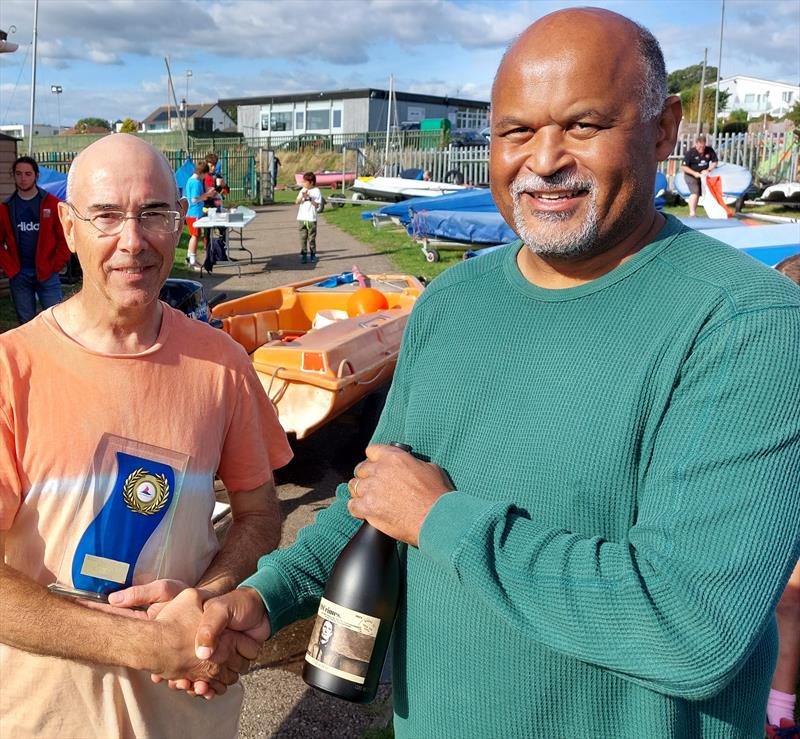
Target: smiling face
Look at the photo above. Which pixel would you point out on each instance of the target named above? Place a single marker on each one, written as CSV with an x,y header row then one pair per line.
x,y
124,272
572,163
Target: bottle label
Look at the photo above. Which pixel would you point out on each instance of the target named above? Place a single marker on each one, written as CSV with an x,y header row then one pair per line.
x,y
342,641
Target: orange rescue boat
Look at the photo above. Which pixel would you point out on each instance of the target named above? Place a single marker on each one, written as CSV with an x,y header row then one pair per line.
x,y
314,360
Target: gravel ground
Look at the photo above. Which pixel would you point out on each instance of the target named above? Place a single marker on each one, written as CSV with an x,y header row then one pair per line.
x,y
277,701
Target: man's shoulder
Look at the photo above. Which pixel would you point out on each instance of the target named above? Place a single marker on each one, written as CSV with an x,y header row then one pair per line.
x,y
200,339
475,274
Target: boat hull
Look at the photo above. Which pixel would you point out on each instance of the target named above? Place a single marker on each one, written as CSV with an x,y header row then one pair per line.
x,y
311,375
328,179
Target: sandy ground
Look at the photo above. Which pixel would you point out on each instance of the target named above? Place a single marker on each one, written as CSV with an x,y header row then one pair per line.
x,y
277,701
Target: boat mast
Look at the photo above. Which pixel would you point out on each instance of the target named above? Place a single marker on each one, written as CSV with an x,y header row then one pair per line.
x,y
181,122
388,128
33,75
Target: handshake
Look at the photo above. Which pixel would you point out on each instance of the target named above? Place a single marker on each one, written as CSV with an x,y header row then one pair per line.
x,y
202,643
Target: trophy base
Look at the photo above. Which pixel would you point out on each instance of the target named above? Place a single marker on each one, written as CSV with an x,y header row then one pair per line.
x,y
66,592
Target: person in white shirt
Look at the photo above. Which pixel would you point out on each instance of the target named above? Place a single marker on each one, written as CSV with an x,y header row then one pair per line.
x,y
309,199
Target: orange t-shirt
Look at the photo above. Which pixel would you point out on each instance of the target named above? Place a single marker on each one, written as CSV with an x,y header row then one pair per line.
x,y
193,393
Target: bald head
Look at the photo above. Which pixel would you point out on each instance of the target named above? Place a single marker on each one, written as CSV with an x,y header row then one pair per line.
x,y
118,153
619,47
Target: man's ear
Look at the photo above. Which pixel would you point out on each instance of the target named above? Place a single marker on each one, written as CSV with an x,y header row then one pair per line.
x,y
183,206
68,224
668,124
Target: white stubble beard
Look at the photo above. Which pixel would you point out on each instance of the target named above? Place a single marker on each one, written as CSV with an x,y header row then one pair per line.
x,y
564,243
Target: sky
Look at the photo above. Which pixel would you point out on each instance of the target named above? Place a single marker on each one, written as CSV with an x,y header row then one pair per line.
x,y
108,55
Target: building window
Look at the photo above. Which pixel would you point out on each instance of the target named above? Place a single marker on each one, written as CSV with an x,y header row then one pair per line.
x,y
749,98
787,97
265,121
280,121
299,120
471,118
318,120
337,119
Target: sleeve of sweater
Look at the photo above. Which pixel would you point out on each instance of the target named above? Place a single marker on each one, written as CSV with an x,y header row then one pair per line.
x,y
680,602
291,581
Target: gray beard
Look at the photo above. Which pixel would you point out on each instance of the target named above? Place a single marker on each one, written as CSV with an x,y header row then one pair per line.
x,y
558,242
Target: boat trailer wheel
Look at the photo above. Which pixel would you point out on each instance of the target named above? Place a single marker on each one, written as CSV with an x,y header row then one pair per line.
x,y
431,255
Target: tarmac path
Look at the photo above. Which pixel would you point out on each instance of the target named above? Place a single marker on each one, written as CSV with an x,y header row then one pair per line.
x,y
277,701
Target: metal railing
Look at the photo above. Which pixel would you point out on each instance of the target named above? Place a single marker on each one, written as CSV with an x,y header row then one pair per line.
x,y
770,157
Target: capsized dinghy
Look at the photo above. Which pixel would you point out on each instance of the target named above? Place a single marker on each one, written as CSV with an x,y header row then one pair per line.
x,y
312,374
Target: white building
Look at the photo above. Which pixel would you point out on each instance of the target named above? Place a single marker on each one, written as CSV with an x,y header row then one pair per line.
x,y
20,130
758,96
349,111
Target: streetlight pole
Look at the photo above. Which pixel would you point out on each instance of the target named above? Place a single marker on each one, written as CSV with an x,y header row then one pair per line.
x,y
57,90
33,74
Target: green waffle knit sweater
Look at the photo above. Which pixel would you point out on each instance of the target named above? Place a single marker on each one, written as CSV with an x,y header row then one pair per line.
x,y
626,457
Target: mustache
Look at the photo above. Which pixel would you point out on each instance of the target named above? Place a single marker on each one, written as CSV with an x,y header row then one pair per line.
x,y
558,181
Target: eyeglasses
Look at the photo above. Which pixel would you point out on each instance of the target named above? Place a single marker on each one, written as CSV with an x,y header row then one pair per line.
x,y
111,222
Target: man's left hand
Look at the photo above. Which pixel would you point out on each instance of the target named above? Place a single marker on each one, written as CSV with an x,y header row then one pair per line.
x,y
394,491
153,596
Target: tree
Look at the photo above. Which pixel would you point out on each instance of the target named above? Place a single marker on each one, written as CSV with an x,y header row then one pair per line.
x,y
737,116
688,77
85,123
794,114
690,99
128,126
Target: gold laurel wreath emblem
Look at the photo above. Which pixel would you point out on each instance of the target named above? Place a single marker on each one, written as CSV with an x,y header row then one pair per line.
x,y
132,500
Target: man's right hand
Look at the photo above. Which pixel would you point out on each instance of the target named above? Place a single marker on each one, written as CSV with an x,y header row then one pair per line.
x,y
231,653
240,610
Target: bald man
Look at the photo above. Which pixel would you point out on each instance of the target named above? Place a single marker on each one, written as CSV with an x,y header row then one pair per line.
x,y
116,414
603,507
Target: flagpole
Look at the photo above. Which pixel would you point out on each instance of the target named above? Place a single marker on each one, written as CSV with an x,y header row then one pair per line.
x,y
33,76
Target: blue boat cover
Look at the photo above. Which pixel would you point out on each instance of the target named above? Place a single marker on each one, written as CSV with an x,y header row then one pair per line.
x,y
477,199
462,226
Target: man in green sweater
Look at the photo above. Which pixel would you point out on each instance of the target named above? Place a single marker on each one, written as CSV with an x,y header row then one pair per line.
x,y
608,410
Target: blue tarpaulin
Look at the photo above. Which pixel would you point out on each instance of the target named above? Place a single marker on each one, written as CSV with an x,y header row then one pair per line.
x,y
184,172
462,226
53,181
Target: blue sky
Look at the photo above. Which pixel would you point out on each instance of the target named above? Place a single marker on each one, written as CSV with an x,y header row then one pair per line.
x,y
108,55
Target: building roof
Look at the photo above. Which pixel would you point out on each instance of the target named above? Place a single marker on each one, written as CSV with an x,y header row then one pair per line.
x,y
367,92
193,110
737,77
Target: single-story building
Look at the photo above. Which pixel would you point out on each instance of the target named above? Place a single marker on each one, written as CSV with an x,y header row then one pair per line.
x,y
200,117
349,111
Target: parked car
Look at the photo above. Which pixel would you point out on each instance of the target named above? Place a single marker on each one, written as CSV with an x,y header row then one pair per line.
x,y
465,137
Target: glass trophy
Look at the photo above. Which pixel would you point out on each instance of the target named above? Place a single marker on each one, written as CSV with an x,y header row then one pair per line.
x,y
121,520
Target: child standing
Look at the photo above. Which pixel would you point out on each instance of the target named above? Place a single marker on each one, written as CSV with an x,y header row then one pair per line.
x,y
309,201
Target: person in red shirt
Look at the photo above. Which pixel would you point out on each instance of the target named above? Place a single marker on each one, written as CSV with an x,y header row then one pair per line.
x,y
32,246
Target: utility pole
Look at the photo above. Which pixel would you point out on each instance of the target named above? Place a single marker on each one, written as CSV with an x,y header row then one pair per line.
x,y
719,67
702,87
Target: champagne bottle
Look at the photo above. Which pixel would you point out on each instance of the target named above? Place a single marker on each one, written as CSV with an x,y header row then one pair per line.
x,y
350,637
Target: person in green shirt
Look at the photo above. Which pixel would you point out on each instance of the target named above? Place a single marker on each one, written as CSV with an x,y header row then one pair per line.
x,y
603,505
